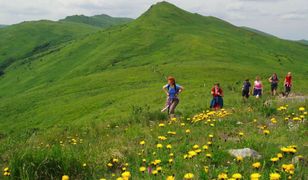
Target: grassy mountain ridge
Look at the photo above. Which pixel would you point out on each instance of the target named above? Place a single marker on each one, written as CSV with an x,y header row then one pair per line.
x,y
109,77
103,20
304,41
25,39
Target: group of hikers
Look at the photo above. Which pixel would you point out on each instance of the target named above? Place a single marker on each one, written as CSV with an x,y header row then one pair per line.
x,y
172,91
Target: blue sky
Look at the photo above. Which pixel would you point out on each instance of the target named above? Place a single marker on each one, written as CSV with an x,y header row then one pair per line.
x,y
284,18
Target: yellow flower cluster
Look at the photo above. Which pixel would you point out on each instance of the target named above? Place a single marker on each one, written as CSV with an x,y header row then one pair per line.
x,y
6,172
209,115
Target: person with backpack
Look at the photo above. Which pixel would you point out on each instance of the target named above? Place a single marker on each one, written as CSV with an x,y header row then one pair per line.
x,y
274,83
172,91
288,84
258,87
217,93
246,89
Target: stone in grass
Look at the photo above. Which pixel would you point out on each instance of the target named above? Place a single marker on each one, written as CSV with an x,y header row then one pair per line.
x,y
245,152
297,159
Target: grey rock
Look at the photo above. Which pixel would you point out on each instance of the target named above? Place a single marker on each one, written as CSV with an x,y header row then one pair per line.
x,y
245,152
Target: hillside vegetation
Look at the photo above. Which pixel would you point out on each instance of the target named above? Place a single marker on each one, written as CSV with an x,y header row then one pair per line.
x,y
97,96
102,20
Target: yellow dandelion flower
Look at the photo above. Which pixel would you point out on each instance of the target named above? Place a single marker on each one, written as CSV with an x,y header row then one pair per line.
x,y
222,176
301,109
189,176
279,155
142,142
161,125
206,169
154,172
274,159
159,146
239,158
241,134
208,155
65,177
169,146
237,176
255,176
266,132
205,147
187,131
170,178
256,165
196,146
142,169
274,176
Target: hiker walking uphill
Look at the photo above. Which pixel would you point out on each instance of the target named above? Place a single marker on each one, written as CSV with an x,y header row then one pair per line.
x,y
172,91
274,83
258,87
288,84
246,89
217,101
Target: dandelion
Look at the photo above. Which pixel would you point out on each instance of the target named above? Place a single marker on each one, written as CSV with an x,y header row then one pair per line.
x,y
161,125
237,176
209,143
241,134
208,155
187,131
171,155
274,159
170,161
279,155
205,147
84,164
110,165
301,109
211,135
65,177
159,146
126,175
154,172
169,146
289,168
256,165
188,176
170,178
255,176
274,176
273,120
159,169
114,160
144,160
266,132
206,169
142,169
171,132
239,158
196,146
142,142
222,176
163,138
182,124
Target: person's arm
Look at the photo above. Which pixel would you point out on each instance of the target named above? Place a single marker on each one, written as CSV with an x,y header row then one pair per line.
x,y
165,89
270,79
221,93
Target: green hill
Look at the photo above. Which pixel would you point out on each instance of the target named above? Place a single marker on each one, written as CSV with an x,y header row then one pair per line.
x,y
258,32
24,40
105,88
103,20
304,42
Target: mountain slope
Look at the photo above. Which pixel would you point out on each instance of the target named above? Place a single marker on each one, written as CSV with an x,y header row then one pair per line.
x,y
257,31
111,77
103,20
25,39
304,42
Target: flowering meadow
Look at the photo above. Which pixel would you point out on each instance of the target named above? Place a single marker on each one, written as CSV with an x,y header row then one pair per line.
x,y
192,147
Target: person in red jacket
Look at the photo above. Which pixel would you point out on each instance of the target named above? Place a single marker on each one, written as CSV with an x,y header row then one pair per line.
x,y
217,101
288,84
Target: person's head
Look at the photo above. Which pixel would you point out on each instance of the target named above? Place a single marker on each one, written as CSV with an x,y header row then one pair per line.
x,y
216,85
274,75
247,80
171,80
258,78
289,74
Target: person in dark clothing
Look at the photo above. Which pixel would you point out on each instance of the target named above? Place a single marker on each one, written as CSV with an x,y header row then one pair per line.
x,y
246,89
274,83
217,101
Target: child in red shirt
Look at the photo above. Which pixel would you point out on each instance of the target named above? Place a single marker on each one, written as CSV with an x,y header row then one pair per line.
x,y
288,84
217,101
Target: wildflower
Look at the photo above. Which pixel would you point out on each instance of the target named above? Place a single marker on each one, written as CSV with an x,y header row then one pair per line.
x,y
187,131
173,119
126,174
142,169
159,146
208,155
170,161
157,161
241,134
239,158
301,109
144,160
266,132
255,176
142,142
274,176
211,135
169,146
170,178
114,160
254,120
237,176
163,138
192,153
171,132
205,147
159,169
154,172
222,176
209,143
198,151
65,177
289,168
273,120
256,165
279,155
182,124
274,159
206,169
109,164
196,146
161,125
171,154
84,164
188,176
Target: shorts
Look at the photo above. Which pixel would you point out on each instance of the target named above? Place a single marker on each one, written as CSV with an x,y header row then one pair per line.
x,y
274,86
245,93
257,92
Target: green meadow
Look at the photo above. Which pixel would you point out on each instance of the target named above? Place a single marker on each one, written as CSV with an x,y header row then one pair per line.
x,y
76,95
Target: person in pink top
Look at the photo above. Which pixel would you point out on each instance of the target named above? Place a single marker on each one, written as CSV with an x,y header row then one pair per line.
x,y
258,87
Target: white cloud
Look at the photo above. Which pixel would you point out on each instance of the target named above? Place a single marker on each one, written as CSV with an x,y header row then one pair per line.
x,y
272,16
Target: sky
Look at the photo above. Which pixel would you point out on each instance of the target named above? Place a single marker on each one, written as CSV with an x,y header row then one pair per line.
x,y
286,19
